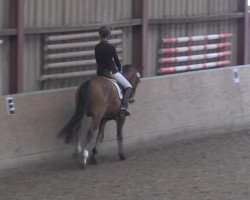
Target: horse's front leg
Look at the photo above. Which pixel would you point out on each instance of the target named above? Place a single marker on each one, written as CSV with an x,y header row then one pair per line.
x,y
120,122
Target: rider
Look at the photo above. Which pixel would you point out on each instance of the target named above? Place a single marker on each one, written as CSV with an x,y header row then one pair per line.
x,y
108,63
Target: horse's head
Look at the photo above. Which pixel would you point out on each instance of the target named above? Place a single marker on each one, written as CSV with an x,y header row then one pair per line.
x,y
134,77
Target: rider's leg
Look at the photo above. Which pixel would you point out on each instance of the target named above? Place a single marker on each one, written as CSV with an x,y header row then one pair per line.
x,y
128,89
124,105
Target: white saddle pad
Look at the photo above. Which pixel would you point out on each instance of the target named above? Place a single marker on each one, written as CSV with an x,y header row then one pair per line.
x,y
120,94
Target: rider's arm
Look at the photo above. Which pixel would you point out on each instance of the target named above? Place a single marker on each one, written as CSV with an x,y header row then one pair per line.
x,y
116,59
97,61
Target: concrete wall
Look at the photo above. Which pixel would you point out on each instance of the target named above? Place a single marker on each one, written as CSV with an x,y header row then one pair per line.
x,y
196,102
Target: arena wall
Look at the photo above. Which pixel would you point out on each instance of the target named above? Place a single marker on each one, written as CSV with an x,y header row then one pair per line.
x,y
202,102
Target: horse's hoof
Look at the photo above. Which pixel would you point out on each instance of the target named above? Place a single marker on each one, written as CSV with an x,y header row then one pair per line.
x,y
122,157
82,162
82,166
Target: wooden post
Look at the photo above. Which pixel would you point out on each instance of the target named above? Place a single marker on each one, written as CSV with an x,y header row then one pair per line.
x,y
16,49
241,34
246,21
137,46
13,48
20,46
140,34
146,67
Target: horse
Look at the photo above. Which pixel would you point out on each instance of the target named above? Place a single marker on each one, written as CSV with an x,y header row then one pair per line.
x,y
97,98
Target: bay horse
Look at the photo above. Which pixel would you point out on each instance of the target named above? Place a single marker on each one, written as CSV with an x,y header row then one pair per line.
x,y
97,98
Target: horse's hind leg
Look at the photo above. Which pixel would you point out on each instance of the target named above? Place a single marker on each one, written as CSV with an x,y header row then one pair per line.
x,y
85,153
99,139
78,150
120,122
78,145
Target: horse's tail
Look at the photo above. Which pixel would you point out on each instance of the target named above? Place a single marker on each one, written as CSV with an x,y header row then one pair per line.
x,y
69,132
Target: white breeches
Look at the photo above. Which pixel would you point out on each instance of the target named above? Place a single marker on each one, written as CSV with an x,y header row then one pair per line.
x,y
122,80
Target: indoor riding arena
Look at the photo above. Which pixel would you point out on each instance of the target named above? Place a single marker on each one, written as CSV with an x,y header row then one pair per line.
x,y
188,137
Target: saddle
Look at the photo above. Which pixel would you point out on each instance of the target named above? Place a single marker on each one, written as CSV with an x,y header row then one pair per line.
x,y
117,86
107,75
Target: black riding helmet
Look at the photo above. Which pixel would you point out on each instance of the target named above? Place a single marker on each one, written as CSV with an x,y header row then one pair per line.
x,y
104,31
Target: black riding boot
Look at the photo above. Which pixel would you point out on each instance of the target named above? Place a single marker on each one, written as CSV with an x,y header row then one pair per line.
x,y
124,105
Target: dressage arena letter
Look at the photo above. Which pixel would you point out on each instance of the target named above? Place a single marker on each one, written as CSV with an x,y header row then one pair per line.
x,y
10,105
236,75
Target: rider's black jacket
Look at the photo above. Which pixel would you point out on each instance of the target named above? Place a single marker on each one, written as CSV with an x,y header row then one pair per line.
x,y
106,58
